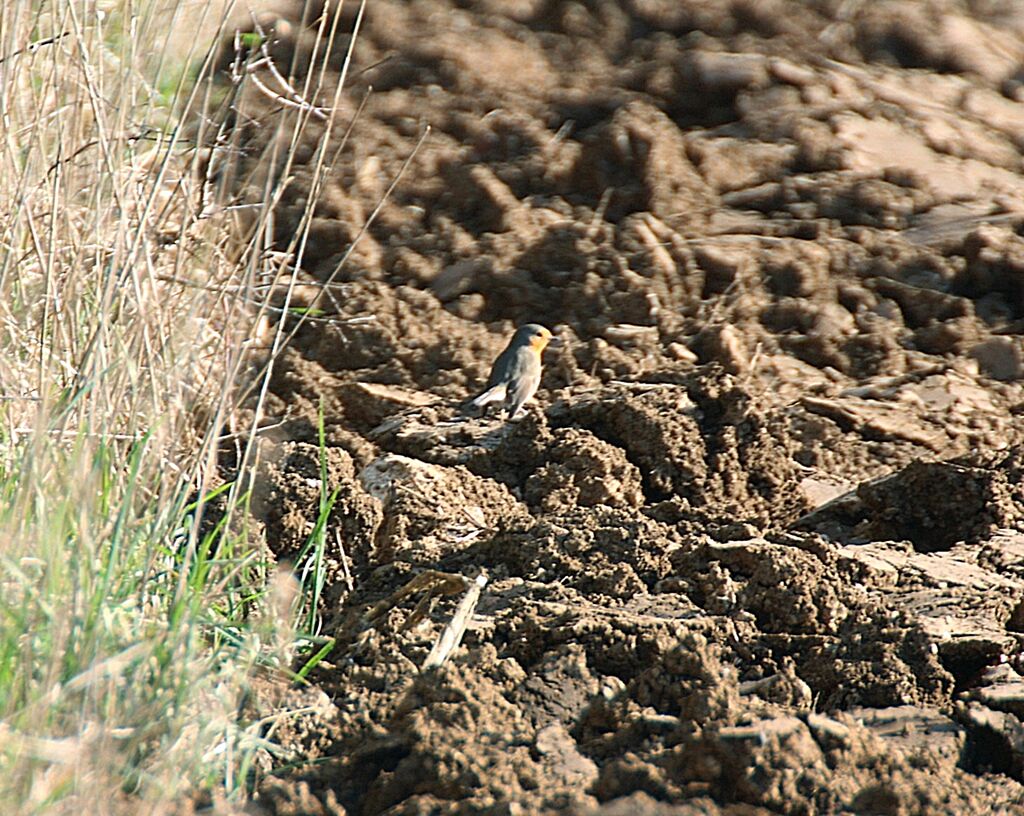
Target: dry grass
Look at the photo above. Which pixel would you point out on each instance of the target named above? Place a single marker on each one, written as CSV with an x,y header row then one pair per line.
x,y
126,323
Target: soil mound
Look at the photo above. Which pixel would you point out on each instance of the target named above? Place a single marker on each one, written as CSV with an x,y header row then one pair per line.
x,y
757,547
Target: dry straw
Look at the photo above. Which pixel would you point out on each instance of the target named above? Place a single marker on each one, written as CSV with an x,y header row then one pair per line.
x,y
131,286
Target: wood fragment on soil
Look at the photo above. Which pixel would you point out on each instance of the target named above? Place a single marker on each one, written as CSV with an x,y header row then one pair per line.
x,y
451,636
877,420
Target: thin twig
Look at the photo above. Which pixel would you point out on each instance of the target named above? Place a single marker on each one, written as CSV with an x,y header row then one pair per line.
x,y
346,572
598,217
31,48
319,113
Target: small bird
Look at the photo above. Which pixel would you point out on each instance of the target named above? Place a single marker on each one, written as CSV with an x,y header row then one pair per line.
x,y
515,375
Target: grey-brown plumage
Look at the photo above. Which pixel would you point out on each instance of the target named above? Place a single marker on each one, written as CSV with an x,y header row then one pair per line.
x,y
515,375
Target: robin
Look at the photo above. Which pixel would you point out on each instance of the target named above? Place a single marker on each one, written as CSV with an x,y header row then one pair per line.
x,y
515,375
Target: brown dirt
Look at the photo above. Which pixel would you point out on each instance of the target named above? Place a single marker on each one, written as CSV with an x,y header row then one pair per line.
x,y
758,548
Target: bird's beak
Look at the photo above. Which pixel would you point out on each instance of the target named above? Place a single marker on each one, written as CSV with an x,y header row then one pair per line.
x,y
556,342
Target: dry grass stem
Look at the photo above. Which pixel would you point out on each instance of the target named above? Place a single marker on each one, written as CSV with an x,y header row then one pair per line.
x,y
451,636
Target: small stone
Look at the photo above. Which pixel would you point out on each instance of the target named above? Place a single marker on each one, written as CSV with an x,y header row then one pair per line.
x,y
682,353
1000,358
722,344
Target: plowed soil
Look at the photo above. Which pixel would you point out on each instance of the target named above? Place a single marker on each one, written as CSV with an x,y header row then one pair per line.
x,y
757,547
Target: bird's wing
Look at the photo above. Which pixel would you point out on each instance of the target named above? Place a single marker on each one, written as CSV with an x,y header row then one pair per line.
x,y
523,384
500,370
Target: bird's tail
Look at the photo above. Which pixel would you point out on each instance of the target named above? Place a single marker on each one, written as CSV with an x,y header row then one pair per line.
x,y
495,394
